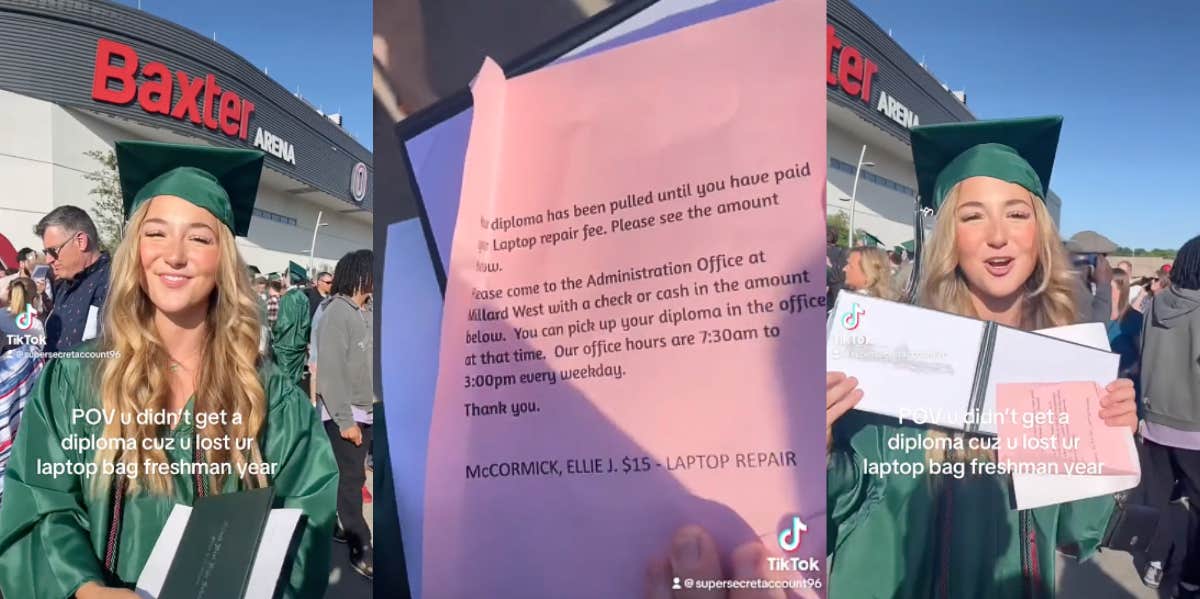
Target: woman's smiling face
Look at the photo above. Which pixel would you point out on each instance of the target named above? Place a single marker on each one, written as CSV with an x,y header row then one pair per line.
x,y
179,254
996,236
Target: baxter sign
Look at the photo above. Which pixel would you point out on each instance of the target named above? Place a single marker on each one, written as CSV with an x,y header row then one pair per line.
x,y
854,75
201,101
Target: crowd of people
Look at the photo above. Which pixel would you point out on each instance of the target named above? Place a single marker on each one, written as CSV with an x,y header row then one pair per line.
x,y
995,254
174,319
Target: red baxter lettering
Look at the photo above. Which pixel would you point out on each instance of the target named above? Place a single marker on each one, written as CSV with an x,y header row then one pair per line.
x,y
201,100
854,72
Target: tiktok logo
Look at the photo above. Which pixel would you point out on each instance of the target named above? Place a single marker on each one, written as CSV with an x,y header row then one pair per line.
x,y
25,319
789,538
851,320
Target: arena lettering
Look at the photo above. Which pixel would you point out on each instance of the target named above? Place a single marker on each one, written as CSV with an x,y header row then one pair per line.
x,y
201,101
893,109
854,72
274,145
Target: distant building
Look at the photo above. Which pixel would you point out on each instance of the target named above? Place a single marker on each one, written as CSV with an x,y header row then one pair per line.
x,y
876,92
85,87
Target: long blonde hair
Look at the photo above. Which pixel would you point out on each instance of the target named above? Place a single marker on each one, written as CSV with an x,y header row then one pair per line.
x,y
21,292
878,270
1049,292
1120,283
136,379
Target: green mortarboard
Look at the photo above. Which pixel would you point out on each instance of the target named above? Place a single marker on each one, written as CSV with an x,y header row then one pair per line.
x,y
1019,151
297,273
909,246
869,239
253,269
223,181
274,277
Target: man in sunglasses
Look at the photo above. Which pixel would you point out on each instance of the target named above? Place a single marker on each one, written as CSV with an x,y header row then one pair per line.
x,y
81,272
318,292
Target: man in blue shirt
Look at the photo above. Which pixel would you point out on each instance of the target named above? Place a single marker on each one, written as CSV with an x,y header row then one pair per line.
x,y
81,272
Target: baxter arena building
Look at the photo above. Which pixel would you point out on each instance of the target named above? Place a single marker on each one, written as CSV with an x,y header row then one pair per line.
x,y
76,76
875,93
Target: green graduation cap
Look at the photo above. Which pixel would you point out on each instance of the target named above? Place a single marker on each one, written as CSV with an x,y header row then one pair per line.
x,y
909,246
223,181
869,239
1019,151
253,269
297,273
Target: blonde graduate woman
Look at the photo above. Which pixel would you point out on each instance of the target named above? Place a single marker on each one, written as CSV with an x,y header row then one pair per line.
x,y
868,271
994,255
182,325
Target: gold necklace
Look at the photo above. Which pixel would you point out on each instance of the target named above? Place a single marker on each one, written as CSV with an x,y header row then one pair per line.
x,y
175,365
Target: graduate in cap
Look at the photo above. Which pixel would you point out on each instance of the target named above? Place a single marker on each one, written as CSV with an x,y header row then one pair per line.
x,y
184,326
290,335
994,255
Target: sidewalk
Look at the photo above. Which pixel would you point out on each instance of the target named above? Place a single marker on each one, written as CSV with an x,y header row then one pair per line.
x,y
344,582
1109,575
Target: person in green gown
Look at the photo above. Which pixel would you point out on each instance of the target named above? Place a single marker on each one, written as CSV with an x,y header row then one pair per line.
x,y
995,255
180,343
290,335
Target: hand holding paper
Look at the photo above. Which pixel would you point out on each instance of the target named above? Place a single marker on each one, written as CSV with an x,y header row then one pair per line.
x,y
1036,490
1118,407
633,310
841,395
932,367
1058,427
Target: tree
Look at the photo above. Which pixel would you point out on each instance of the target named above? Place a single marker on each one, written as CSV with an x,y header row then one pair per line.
x,y
841,224
109,211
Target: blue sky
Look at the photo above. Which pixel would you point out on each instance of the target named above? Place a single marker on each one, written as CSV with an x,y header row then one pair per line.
x,y
322,47
1120,73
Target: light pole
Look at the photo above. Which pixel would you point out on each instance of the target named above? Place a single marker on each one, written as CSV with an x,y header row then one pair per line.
x,y
854,191
312,247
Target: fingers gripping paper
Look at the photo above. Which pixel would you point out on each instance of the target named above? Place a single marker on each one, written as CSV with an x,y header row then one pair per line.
x,y
1057,427
634,302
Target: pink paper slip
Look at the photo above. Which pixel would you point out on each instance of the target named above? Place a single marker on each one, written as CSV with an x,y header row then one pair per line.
x,y
1057,428
634,315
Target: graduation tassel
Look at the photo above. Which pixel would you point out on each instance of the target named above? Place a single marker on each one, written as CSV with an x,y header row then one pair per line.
x,y
113,546
919,216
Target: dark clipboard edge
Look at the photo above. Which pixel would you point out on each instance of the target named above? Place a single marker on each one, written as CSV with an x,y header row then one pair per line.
x,y
461,100
435,256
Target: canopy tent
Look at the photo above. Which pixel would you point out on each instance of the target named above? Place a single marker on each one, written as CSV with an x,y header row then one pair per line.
x,y
1090,242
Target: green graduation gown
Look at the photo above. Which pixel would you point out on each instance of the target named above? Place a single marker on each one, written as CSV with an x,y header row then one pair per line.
x,y
938,536
289,339
53,531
